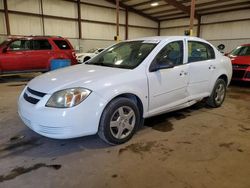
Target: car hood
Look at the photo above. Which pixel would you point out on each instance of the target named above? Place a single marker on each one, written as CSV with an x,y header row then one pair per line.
x,y
242,60
86,76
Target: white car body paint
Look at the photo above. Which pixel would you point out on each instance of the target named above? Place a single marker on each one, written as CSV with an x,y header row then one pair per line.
x,y
81,56
161,91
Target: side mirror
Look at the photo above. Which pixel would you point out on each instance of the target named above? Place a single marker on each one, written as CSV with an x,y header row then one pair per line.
x,y
221,47
155,66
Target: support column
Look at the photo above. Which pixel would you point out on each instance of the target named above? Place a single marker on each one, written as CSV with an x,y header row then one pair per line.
x,y
6,15
192,11
159,28
43,28
79,19
199,27
126,24
117,21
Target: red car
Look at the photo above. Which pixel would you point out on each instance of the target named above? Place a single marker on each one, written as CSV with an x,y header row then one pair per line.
x,y
35,53
240,58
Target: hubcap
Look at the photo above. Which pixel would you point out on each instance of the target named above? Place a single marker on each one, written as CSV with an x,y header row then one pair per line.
x,y
219,93
122,122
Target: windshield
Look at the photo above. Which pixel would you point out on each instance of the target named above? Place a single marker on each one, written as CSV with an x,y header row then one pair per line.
x,y
5,42
241,51
124,55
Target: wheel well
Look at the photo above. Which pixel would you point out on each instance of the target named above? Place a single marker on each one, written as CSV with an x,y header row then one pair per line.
x,y
224,77
135,98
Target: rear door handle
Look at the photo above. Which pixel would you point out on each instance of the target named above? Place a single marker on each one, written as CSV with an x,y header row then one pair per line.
x,y
211,67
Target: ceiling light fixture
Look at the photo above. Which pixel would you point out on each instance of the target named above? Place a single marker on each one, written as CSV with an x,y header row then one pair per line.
x,y
154,4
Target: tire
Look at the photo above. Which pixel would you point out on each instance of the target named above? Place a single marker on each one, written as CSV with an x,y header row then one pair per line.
x,y
218,95
119,121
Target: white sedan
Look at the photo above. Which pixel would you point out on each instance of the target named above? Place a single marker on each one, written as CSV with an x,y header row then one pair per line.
x,y
127,82
82,57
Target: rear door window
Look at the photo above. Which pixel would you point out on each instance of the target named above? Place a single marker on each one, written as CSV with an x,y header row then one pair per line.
x,y
42,44
62,44
199,51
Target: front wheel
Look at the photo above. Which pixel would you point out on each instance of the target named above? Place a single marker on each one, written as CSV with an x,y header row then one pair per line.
x,y
119,121
218,95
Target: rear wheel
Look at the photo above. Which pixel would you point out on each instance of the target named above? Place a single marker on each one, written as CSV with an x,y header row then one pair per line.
x,y
119,121
218,95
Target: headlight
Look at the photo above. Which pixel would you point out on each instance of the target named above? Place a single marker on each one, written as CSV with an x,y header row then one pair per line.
x,y
68,98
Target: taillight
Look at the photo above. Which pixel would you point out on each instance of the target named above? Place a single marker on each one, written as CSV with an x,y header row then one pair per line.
x,y
73,54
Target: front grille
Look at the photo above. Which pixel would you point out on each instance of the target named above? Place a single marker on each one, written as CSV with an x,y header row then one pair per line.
x,y
238,73
238,66
33,96
40,94
30,99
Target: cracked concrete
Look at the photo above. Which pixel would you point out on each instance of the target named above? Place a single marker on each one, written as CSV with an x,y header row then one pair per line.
x,y
197,147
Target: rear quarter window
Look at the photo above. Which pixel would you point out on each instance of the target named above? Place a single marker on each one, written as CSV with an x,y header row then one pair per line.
x,y
62,44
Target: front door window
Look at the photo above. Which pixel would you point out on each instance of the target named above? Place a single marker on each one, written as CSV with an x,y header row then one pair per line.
x,y
171,53
19,45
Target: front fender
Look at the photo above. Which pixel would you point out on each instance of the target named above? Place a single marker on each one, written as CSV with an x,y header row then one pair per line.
x,y
139,88
109,96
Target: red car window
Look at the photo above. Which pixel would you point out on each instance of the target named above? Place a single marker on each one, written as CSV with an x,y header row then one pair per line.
x,y
41,44
63,45
21,45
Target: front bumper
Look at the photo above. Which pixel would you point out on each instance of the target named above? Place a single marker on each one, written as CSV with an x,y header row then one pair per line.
x,y
241,73
62,123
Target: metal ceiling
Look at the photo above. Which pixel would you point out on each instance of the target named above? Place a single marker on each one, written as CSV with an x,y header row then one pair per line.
x,y
173,9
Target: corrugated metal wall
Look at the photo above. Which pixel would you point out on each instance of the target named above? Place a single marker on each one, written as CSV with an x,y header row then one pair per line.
x,y
229,28
2,22
229,33
98,22
176,27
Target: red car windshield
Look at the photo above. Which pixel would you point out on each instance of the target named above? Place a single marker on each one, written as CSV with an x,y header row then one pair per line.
x,y
4,43
241,51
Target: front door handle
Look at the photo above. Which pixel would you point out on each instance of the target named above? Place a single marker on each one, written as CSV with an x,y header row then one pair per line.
x,y
183,73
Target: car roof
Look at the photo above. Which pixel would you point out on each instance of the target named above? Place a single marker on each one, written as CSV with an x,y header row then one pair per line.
x,y
34,37
245,45
165,38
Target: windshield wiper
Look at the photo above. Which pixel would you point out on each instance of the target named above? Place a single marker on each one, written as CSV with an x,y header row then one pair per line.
x,y
109,65
92,63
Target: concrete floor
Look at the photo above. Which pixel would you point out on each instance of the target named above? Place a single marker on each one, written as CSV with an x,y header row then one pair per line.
x,y
196,147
